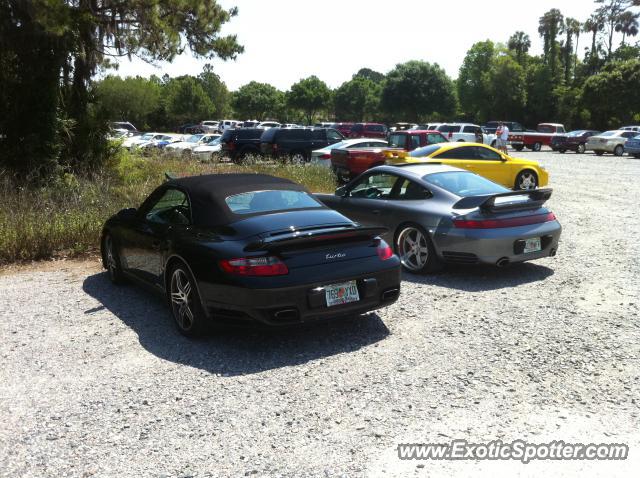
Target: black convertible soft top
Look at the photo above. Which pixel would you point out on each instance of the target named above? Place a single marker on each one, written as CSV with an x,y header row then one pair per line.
x,y
208,192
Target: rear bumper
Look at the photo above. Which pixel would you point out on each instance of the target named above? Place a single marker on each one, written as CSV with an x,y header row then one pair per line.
x,y
488,246
606,147
297,304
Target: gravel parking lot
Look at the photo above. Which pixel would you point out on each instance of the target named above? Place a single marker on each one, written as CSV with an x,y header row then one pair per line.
x,y
95,381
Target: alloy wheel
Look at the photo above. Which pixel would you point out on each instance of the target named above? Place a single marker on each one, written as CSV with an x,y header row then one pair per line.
x,y
527,181
181,299
413,249
297,158
581,148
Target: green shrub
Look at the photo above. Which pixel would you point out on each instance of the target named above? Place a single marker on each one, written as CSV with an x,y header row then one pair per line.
x,y
65,216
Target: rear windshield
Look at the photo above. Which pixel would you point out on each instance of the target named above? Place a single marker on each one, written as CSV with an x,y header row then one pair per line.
x,y
425,151
576,133
398,140
464,183
609,133
270,201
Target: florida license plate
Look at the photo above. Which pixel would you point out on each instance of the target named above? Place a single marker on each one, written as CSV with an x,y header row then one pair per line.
x,y
344,293
532,245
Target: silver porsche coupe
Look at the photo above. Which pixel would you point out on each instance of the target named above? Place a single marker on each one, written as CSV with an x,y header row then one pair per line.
x,y
438,214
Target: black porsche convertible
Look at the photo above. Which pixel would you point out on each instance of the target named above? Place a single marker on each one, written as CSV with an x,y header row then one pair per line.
x,y
249,248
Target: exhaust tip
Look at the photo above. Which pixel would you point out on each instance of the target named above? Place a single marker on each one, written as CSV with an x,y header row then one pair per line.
x,y
504,262
286,315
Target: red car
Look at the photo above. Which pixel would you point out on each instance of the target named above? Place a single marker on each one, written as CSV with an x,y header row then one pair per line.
x,y
368,130
348,163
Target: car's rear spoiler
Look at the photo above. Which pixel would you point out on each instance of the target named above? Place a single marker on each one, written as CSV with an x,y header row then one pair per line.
x,y
537,198
317,235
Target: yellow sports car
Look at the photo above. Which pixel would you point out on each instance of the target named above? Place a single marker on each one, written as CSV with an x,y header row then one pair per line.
x,y
481,159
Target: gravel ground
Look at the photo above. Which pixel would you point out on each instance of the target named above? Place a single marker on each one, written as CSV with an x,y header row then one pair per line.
x,y
95,381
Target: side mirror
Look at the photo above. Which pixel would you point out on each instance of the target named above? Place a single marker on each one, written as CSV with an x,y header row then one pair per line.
x,y
127,214
341,191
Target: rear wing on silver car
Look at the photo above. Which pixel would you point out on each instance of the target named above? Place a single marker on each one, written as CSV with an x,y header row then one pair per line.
x,y
510,201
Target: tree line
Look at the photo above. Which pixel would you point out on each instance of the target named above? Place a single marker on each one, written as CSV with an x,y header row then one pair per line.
x,y
54,55
497,81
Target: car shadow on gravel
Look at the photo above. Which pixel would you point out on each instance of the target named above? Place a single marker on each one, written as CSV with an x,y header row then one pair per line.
x,y
231,351
482,278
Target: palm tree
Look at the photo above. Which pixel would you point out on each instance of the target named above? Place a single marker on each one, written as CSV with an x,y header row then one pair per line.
x,y
594,25
520,44
572,28
551,23
610,11
627,24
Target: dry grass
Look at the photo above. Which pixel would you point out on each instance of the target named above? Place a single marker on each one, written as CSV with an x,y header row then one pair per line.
x,y
64,218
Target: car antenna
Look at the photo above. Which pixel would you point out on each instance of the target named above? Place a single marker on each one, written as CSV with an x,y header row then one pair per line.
x,y
169,176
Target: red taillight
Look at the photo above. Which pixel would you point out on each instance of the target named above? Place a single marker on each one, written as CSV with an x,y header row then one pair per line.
x,y
384,251
255,266
325,156
500,223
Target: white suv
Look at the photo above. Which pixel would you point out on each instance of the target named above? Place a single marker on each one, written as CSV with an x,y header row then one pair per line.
x,y
466,132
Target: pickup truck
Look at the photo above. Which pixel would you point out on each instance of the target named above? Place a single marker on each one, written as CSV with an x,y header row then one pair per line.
x,y
535,140
348,163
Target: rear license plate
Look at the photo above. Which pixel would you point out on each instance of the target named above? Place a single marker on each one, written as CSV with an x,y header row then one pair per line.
x,y
344,293
532,245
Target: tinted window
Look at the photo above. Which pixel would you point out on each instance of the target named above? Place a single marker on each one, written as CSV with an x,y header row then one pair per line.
x,y
293,134
465,152
374,186
629,134
411,191
447,128
171,208
486,154
397,140
250,133
357,128
333,135
415,141
378,128
318,134
464,183
424,151
468,129
269,201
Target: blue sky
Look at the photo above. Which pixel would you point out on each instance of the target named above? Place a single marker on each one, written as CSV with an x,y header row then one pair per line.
x,y
286,40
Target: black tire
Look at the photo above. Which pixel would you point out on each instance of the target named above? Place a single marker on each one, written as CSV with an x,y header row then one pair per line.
x,y
411,262
581,148
637,156
562,151
536,147
111,260
526,180
599,153
518,147
184,301
618,150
